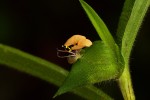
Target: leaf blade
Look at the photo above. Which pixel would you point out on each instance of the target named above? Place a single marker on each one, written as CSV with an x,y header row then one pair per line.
x,y
27,63
99,25
130,28
42,69
125,15
138,12
94,66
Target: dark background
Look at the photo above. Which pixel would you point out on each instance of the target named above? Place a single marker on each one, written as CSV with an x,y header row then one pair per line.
x,y
39,27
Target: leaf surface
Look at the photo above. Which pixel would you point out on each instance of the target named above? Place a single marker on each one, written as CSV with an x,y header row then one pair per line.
x,y
97,64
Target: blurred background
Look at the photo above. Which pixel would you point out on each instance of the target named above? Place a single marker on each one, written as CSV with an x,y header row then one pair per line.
x,y
39,27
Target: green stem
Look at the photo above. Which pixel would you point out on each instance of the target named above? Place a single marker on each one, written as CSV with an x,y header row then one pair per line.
x,y
125,84
135,19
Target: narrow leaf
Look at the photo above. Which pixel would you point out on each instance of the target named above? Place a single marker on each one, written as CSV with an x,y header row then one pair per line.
x,y
125,15
35,66
92,93
96,65
130,29
100,26
138,12
43,69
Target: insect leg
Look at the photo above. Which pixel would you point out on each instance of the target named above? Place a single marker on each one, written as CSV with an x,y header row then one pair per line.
x,y
70,54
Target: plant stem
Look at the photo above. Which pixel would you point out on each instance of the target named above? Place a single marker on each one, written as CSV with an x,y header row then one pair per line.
x,y
125,84
135,19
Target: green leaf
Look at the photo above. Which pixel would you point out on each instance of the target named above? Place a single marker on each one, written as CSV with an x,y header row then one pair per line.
x,y
43,69
92,93
35,66
100,26
127,31
125,15
138,12
96,65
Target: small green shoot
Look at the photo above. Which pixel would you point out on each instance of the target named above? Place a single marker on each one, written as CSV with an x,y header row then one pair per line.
x,y
106,59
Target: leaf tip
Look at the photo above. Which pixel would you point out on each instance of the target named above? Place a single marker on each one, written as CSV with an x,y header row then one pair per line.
x,y
81,1
55,95
60,91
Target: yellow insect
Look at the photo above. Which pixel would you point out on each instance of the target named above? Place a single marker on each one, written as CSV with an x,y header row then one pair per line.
x,y
77,42
73,47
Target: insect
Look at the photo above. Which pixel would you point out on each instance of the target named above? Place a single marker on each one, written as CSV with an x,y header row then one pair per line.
x,y
77,42
73,47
